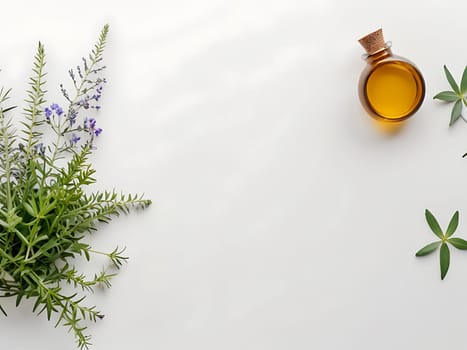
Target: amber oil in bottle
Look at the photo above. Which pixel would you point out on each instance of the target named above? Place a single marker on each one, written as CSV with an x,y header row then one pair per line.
x,y
391,88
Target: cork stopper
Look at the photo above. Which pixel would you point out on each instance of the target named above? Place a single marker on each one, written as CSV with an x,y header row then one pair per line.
x,y
373,42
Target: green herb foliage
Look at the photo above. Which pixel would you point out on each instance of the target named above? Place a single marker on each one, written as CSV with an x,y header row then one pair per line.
x,y
45,208
457,95
445,239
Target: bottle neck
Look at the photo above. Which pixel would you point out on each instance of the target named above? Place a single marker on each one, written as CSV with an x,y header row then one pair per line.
x,y
378,56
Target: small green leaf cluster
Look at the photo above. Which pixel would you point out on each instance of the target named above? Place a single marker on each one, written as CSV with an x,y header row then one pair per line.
x,y
46,209
445,239
458,95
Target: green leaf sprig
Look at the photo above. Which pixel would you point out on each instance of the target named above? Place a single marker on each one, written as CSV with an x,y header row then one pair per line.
x,y
46,205
445,238
458,95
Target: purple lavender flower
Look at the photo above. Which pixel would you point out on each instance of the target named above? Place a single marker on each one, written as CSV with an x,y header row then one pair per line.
x,y
90,126
72,116
83,103
54,108
40,149
59,111
74,139
48,113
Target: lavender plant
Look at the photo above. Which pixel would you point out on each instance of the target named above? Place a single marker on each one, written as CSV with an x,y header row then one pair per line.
x,y
45,208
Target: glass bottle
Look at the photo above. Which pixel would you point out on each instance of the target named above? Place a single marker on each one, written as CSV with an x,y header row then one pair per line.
x,y
391,88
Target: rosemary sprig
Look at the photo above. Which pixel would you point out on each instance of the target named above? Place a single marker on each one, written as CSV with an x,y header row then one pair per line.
x,y
45,211
445,239
457,95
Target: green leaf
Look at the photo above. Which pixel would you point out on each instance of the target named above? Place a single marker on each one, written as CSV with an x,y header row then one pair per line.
x,y
459,243
464,81
4,223
444,258
430,248
29,209
456,112
18,299
3,311
433,223
447,96
451,80
453,224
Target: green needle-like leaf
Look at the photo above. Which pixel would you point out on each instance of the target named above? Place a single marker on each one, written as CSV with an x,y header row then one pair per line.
x,y
429,248
3,311
451,81
459,243
433,223
464,81
456,112
444,258
447,96
453,225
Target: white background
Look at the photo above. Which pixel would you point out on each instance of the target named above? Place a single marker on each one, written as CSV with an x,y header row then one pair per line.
x,y
283,216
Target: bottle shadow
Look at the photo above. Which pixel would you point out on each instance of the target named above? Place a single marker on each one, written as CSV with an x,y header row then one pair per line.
x,y
389,128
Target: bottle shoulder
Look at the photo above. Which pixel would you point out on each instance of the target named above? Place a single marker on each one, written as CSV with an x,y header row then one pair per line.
x,y
371,62
389,59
